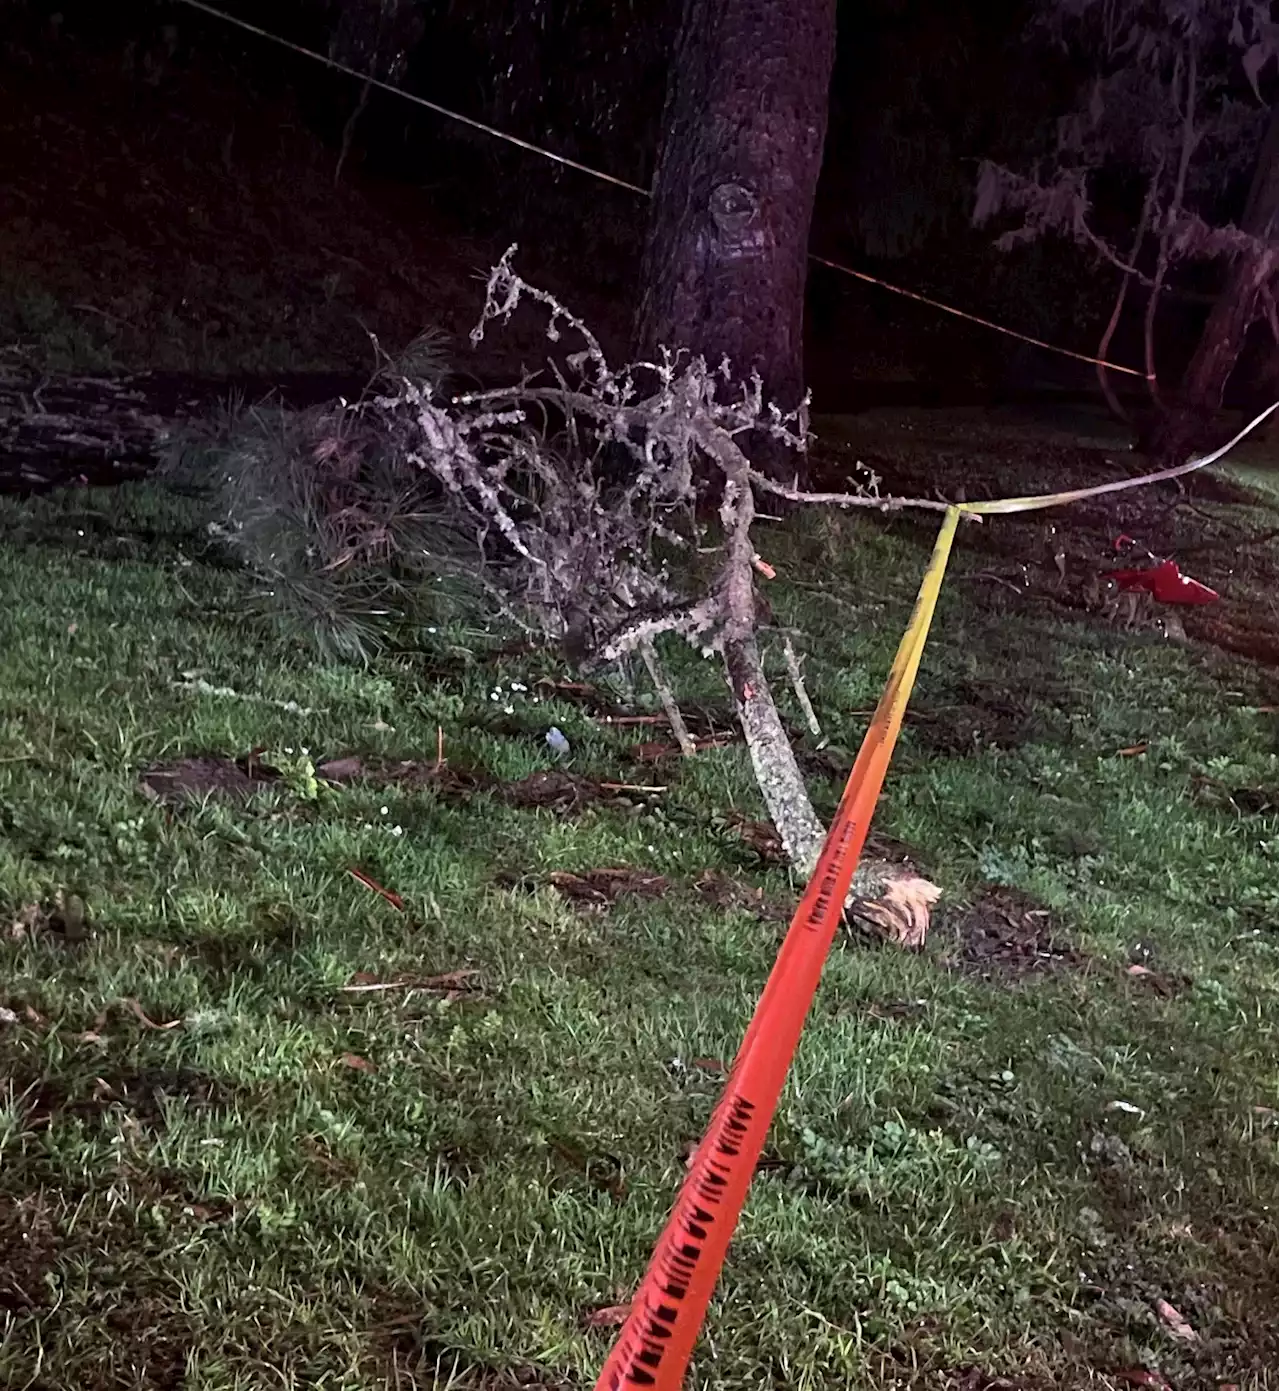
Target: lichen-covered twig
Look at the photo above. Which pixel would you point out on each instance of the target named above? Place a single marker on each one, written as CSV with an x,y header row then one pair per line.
x,y
872,500
792,660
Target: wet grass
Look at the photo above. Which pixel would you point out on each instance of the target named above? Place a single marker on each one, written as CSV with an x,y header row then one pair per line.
x,y
222,1167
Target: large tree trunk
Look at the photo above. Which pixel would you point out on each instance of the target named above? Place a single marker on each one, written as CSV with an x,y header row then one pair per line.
x,y
743,129
1205,378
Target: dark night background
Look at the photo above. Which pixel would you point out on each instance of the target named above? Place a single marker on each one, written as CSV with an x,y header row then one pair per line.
x,y
169,194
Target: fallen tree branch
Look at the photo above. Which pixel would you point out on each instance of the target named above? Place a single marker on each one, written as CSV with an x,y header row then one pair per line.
x,y
639,415
597,505
870,500
773,759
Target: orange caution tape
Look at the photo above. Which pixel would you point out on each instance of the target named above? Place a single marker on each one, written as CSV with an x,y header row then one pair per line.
x,y
655,1344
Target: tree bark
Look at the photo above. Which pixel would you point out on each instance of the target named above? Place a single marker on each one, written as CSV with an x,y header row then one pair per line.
x,y
773,760
1205,377
723,273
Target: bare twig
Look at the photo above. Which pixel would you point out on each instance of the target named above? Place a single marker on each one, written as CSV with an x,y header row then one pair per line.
x,y
663,687
1104,381
881,504
349,131
797,685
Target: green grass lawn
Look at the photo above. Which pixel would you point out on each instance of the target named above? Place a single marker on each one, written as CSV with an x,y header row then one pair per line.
x,y
221,1167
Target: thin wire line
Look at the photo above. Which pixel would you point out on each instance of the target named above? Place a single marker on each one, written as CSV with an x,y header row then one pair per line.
x,y
630,187
975,319
413,97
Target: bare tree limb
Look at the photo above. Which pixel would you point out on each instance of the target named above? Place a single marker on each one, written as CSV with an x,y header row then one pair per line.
x,y
1140,235
772,757
881,504
1165,231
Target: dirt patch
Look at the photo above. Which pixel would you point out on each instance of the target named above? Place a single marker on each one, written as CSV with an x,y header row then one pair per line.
x,y
207,777
143,1095
598,888
148,1344
551,789
592,890
196,779
131,1339
29,1245
1005,936
145,1344
1245,801
567,793
410,774
995,723
728,894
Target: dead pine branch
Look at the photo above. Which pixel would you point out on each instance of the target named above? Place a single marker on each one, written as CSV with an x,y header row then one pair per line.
x,y
584,490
